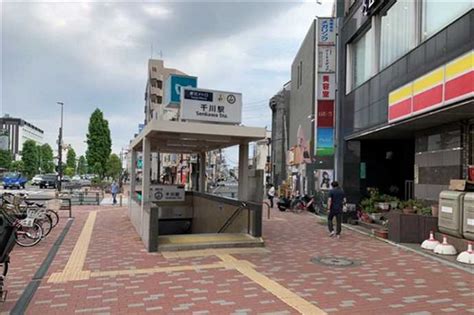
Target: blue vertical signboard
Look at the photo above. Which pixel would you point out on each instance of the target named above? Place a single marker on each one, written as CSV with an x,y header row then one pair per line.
x,y
325,143
173,88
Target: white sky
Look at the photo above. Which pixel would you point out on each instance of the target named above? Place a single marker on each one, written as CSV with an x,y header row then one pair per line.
x,y
93,54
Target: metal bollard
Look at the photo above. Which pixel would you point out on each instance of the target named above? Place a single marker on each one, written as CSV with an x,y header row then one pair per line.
x,y
97,198
120,200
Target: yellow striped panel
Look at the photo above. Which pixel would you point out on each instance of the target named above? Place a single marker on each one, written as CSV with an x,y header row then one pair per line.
x,y
400,94
429,80
460,65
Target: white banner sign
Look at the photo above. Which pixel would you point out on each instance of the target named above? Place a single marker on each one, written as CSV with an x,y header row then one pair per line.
x,y
326,59
166,193
211,105
326,86
327,31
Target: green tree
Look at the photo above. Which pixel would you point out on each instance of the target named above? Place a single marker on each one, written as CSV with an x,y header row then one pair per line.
x,y
17,166
114,166
81,165
30,158
46,158
99,144
69,171
5,159
71,160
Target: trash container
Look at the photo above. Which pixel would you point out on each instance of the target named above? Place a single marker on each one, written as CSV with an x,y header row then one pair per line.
x,y
450,217
468,217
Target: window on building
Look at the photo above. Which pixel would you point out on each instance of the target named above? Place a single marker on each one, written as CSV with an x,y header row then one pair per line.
x,y
362,53
159,84
397,31
159,99
438,14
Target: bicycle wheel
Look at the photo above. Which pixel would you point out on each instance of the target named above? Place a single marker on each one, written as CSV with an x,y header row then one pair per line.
x,y
28,236
54,217
46,224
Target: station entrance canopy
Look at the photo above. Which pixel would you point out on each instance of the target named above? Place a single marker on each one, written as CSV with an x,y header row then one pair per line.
x,y
193,137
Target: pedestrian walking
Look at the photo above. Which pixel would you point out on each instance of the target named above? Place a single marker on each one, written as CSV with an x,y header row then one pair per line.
x,y
336,202
114,189
271,195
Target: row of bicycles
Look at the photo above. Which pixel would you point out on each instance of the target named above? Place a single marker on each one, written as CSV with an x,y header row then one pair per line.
x,y
22,222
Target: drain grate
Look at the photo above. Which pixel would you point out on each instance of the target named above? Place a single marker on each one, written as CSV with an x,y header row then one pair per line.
x,y
334,261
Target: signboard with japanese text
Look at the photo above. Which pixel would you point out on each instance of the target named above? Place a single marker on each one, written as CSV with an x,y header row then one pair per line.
x,y
211,105
173,86
325,114
326,59
166,193
326,86
327,31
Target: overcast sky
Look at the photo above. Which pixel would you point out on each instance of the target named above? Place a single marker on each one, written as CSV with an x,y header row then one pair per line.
x,y
94,54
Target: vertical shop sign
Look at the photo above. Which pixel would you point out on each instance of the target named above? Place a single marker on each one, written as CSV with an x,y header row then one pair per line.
x,y
326,87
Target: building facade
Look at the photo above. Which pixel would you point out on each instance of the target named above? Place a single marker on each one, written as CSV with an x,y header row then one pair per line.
x,y
19,131
154,92
280,104
405,96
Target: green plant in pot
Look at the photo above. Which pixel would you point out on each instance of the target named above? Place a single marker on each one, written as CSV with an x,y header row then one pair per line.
x,y
411,206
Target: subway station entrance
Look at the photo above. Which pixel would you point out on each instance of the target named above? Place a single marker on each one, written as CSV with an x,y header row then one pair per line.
x,y
168,218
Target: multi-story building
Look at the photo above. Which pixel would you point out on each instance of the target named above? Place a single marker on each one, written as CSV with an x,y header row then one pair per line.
x,y
155,109
154,93
279,104
19,131
405,96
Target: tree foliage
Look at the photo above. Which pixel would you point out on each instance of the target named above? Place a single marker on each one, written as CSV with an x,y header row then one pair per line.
x,y
82,165
46,158
99,143
17,166
30,157
114,166
5,159
69,171
71,159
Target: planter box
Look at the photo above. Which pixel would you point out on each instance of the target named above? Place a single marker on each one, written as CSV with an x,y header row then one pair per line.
x,y
410,228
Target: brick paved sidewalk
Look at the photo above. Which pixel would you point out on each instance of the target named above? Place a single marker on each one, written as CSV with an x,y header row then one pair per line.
x,y
102,267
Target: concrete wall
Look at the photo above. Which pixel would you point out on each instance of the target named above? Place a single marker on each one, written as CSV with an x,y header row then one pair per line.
x,y
210,216
145,223
280,104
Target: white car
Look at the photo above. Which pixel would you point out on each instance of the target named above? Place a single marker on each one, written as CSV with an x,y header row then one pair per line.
x,y
36,180
76,178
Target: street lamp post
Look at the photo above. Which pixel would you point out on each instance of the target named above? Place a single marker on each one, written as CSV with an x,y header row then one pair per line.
x,y
60,149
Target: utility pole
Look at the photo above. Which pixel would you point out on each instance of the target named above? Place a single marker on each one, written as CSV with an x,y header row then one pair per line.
x,y
60,149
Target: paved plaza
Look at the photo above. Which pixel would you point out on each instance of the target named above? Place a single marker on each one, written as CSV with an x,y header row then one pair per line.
x,y
101,266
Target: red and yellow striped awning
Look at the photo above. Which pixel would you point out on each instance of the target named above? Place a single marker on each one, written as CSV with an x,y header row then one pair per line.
x,y
443,86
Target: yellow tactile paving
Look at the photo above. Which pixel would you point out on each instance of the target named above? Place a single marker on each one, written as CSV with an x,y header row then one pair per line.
x,y
75,264
74,268
290,298
213,252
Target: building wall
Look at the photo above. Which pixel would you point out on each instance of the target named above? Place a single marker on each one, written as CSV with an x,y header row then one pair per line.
x,y
438,159
302,88
302,99
20,131
366,107
279,105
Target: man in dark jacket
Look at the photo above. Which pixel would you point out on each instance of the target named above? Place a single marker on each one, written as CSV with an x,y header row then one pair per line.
x,y
336,202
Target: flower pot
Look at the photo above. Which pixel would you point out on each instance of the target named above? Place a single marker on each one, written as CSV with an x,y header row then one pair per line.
x,y
434,210
409,211
385,206
381,233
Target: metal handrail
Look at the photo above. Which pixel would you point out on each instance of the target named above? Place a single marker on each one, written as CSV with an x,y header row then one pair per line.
x,y
234,215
